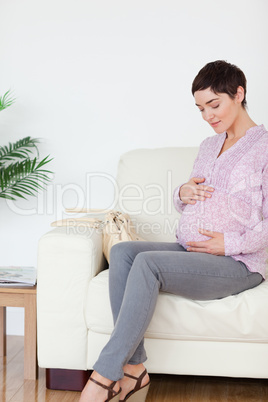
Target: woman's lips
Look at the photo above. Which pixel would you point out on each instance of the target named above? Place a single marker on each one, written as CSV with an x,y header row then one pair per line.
x,y
215,124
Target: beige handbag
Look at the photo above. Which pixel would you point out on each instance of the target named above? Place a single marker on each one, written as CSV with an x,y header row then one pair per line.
x,y
116,227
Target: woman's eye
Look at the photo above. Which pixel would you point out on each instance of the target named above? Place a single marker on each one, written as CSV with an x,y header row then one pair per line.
x,y
215,107
201,110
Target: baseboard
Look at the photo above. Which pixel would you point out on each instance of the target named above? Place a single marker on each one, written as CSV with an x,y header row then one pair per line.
x,y
66,380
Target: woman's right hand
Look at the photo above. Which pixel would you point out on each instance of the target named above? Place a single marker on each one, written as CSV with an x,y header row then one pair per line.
x,y
192,191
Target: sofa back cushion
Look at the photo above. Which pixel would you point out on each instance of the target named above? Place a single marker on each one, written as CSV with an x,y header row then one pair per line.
x,y
146,180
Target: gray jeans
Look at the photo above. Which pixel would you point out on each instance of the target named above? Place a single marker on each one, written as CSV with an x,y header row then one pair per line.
x,y
138,271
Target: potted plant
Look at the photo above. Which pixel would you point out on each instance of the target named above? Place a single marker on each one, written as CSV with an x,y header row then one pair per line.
x,y
21,173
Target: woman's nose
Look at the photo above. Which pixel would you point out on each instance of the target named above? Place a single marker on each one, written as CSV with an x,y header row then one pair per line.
x,y
208,115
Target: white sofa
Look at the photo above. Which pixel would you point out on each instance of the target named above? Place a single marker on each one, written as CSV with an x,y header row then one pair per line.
x,y
227,337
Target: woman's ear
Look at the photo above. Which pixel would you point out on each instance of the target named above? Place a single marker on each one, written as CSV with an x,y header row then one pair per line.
x,y
240,94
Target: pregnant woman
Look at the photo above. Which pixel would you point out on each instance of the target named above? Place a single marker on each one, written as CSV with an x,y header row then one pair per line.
x,y
221,238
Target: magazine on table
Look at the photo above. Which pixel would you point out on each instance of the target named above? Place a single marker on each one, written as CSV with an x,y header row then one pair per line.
x,y
17,276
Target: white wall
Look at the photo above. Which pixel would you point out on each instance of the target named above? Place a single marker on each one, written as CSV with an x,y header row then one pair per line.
x,y
95,79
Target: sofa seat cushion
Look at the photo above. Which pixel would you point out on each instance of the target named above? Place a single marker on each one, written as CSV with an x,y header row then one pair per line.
x,y
241,318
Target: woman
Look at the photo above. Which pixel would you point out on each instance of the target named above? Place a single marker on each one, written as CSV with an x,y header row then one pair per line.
x,y
221,238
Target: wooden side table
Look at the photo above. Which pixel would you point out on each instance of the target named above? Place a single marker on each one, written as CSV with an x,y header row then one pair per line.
x,y
21,297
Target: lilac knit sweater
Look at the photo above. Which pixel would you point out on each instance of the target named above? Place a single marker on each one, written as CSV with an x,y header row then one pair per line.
x,y
238,206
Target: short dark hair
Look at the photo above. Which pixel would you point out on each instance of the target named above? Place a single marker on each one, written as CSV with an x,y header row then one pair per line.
x,y
221,77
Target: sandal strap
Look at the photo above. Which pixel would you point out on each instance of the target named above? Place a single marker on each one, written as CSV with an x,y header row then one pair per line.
x,y
138,379
111,391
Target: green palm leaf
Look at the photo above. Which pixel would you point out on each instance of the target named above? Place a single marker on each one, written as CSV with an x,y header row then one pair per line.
x,y
6,100
23,178
20,175
18,150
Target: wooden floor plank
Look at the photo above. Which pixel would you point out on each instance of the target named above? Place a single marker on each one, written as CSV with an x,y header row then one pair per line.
x,y
206,389
32,391
10,368
11,377
164,388
14,346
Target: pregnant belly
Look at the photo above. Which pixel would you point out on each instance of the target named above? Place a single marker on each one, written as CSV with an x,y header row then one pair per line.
x,y
220,213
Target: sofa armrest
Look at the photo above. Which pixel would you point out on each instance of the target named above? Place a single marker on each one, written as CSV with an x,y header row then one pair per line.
x,y
68,258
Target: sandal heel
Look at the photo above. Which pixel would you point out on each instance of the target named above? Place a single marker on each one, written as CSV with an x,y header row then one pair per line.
x,y
115,398
139,396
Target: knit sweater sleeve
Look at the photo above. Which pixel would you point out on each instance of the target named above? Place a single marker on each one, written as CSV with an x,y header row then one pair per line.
x,y
178,204
253,239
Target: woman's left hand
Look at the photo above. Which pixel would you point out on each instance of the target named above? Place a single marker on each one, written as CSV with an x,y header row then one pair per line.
x,y
215,245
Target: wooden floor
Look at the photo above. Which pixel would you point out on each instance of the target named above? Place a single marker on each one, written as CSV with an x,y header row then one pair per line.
x,y
163,388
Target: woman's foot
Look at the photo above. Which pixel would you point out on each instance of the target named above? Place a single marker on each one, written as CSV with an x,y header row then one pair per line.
x,y
96,393
128,384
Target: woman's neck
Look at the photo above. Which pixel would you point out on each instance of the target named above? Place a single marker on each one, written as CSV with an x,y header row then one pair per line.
x,y
241,125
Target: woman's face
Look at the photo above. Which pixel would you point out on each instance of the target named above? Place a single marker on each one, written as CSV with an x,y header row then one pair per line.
x,y
219,110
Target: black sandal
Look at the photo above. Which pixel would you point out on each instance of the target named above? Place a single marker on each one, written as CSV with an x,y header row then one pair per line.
x,y
138,394
112,394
